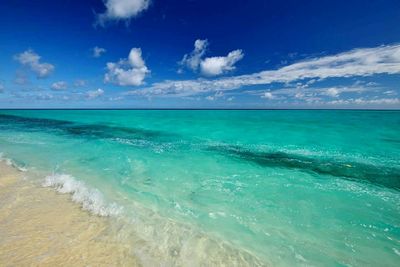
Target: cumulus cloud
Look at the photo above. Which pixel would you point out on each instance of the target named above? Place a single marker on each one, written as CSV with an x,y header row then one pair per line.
x,y
60,85
357,62
32,60
94,93
98,51
211,66
127,72
122,9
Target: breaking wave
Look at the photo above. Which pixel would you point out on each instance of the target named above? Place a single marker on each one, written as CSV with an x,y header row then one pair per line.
x,y
90,199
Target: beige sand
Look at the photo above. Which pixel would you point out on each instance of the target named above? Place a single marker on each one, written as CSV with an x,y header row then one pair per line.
x,y
39,227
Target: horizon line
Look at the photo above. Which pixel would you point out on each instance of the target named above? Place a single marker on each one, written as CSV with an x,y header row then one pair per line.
x,y
333,109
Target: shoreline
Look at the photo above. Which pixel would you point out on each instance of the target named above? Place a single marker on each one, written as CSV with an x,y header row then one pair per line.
x,y
41,227
39,224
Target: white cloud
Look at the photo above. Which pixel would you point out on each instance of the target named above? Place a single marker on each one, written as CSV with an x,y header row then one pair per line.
x,y
366,102
211,66
215,96
1,88
126,72
122,9
192,60
306,94
32,60
268,95
390,92
332,92
98,51
357,62
344,96
61,85
94,93
338,90
117,98
371,84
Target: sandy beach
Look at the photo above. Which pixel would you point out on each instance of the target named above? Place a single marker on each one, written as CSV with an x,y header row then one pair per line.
x,y
38,226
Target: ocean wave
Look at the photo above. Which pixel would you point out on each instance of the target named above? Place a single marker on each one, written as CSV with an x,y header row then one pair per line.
x,y
90,199
12,163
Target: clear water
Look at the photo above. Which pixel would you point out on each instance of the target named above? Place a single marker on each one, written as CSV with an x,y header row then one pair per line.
x,y
289,187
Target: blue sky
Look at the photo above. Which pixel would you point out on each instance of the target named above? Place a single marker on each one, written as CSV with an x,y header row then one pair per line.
x,y
199,54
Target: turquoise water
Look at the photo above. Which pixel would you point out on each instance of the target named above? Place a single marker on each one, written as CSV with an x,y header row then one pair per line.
x,y
287,187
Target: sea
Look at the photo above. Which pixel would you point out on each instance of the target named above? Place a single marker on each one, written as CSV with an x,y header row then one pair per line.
x,y
224,187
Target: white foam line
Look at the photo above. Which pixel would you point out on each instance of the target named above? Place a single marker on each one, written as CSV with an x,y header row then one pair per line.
x,y
10,162
90,199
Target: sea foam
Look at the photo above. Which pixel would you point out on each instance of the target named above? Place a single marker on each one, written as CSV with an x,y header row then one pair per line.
x,y
90,199
12,163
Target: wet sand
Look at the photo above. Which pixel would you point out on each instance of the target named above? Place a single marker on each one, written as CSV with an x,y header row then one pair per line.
x,y
38,226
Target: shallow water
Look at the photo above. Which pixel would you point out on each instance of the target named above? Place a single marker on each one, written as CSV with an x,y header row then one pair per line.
x,y
39,227
255,187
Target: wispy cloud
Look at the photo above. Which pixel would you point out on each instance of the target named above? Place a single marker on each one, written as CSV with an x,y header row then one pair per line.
x,y
357,62
210,66
127,72
60,85
308,94
215,96
390,92
21,78
192,60
122,10
94,93
32,60
365,102
98,51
